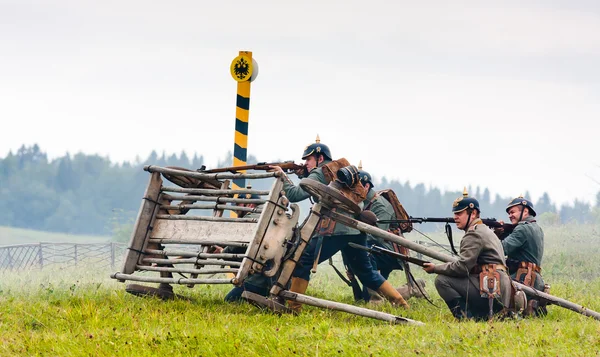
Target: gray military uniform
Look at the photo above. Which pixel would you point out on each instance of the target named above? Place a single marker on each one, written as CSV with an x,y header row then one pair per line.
x,y
456,283
525,244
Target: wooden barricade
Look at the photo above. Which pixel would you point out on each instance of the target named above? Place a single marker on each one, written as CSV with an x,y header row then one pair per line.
x,y
180,231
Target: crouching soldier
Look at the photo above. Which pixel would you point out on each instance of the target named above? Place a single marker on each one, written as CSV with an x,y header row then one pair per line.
x,y
524,249
330,237
477,284
384,210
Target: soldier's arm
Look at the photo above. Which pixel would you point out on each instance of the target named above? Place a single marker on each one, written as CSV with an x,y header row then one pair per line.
x,y
296,193
514,241
382,214
469,252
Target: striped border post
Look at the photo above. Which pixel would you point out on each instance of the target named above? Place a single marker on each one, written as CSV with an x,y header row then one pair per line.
x,y
243,70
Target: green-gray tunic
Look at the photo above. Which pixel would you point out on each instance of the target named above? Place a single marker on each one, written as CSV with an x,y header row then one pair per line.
x,y
384,211
526,244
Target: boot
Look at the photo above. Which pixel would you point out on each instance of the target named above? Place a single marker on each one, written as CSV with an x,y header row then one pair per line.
x,y
405,291
408,291
299,286
374,297
386,289
520,301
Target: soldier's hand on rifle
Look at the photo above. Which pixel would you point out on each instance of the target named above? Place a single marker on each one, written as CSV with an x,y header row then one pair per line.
x,y
275,169
302,172
428,267
499,231
350,275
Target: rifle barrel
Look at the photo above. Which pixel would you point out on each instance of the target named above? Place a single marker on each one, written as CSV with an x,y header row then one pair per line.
x,y
382,251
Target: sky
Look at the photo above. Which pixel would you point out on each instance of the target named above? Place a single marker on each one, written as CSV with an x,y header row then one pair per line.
x,y
503,95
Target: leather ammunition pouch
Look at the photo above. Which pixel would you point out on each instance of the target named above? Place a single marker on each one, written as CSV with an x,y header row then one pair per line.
x,y
526,273
489,280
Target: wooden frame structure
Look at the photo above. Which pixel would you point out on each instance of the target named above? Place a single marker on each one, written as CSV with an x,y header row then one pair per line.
x,y
169,239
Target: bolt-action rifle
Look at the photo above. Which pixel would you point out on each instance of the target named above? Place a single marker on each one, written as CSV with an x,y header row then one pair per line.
x,y
287,166
503,230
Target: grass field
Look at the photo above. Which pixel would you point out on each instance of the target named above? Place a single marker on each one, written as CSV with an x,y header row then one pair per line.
x,y
81,312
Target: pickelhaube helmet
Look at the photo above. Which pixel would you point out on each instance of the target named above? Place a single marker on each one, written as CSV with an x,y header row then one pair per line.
x,y
317,148
251,196
465,202
365,177
520,201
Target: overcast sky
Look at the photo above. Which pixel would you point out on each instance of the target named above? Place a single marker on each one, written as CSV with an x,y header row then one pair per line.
x,y
449,93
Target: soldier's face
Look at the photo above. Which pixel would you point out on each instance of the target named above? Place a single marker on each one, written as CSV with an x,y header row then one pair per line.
x,y
311,163
462,217
515,212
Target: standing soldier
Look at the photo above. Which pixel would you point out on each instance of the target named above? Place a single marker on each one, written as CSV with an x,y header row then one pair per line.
x,y
524,248
477,284
331,237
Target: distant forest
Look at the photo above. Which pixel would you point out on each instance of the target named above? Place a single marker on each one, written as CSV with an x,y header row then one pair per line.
x,y
88,194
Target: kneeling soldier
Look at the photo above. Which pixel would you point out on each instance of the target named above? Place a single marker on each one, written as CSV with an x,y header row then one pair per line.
x,y
330,238
524,248
477,284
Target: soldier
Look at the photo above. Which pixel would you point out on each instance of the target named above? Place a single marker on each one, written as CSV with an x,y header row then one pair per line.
x,y
524,248
467,285
385,264
327,242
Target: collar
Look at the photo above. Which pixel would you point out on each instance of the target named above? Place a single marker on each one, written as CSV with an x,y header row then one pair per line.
x,y
370,195
474,223
323,163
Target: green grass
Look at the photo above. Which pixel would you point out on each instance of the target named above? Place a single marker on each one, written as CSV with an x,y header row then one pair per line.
x,y
81,312
10,235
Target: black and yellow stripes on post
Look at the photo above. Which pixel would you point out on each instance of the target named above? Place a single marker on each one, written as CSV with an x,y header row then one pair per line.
x,y
240,147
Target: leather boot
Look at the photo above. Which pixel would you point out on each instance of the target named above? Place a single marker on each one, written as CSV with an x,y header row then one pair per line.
x,y
407,291
374,297
386,289
299,286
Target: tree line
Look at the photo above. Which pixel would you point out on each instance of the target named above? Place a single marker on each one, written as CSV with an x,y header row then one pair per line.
x,y
89,194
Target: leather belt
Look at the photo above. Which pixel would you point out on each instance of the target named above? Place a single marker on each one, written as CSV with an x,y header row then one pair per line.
x,y
477,269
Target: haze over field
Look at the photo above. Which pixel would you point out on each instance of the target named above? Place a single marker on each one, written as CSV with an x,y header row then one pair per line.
x,y
508,93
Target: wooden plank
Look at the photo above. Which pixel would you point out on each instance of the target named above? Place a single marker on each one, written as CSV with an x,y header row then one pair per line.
x,y
203,231
258,235
142,222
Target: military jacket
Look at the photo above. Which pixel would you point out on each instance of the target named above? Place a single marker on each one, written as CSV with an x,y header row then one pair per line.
x,y
526,242
384,211
296,194
478,246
